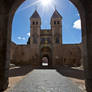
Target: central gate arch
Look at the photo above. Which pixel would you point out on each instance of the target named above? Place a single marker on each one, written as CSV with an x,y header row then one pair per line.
x,y
46,52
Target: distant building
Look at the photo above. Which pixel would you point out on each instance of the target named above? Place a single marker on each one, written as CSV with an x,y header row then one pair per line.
x,y
46,43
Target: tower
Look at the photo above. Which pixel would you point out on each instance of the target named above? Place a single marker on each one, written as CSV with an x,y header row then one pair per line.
x,y
56,27
35,29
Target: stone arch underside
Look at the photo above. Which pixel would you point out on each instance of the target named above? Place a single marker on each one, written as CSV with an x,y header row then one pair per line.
x,y
7,11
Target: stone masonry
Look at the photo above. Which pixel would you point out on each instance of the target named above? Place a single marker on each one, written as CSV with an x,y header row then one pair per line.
x,y
7,10
46,43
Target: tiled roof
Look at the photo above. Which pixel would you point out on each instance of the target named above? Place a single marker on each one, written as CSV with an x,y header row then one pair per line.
x,y
56,14
35,15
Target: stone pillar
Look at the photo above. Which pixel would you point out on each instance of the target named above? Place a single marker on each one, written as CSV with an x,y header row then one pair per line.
x,y
88,66
7,9
4,51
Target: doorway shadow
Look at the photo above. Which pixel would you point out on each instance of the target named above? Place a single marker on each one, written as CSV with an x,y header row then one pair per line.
x,y
71,72
20,70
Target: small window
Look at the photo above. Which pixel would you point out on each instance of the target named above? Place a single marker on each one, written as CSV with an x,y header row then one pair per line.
x,y
57,40
58,22
36,23
54,22
33,22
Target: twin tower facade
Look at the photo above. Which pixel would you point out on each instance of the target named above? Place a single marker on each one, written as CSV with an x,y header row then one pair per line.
x,y
52,36
46,43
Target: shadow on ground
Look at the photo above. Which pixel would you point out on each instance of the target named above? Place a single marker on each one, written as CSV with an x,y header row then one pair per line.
x,y
70,72
65,71
23,70
19,70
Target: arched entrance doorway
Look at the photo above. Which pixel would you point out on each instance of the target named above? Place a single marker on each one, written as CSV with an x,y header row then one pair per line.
x,y
46,57
45,60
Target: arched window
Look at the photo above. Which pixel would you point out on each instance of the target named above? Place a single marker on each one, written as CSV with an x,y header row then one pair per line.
x,y
33,22
58,22
54,22
57,39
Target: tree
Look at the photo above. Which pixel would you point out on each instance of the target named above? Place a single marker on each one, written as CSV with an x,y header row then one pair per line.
x,y
28,42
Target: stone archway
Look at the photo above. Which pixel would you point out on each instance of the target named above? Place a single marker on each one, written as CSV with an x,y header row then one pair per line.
x,y
46,52
7,10
45,60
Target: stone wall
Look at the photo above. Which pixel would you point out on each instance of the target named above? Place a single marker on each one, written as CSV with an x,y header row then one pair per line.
x,y
61,55
24,54
67,55
72,55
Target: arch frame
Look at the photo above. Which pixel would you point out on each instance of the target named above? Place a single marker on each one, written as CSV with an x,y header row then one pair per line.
x,y
78,5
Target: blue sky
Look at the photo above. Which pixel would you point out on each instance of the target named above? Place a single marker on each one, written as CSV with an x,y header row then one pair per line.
x,y
71,24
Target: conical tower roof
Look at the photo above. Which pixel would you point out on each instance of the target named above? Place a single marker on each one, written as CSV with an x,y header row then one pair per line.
x,y
35,15
56,14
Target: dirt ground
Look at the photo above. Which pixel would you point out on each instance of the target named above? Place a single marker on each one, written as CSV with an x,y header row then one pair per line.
x,y
81,81
17,73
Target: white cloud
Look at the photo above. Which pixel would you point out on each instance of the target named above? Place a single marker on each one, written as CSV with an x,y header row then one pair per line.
x,y
21,38
77,24
28,34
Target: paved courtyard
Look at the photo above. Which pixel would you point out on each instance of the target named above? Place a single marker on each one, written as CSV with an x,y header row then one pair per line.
x,y
45,80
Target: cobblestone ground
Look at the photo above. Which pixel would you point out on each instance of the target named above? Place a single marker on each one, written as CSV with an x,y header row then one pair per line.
x,y
43,80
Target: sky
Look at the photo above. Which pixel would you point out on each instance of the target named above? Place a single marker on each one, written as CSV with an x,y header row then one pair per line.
x,y
71,23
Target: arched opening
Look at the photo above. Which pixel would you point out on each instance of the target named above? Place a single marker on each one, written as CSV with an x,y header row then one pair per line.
x,y
78,6
45,60
46,56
